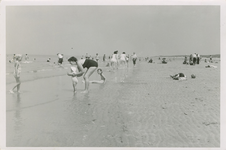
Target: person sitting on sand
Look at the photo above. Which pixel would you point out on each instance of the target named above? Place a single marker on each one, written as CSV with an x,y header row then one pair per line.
x,y
164,61
179,76
211,66
17,71
74,70
185,60
102,77
150,61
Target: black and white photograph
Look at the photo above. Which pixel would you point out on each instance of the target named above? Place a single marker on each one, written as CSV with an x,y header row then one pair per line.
x,y
112,75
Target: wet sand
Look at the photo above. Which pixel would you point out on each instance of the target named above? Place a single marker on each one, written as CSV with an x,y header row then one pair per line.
x,y
148,109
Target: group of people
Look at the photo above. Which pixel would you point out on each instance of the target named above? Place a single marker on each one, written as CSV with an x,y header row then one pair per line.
x,y
193,59
84,67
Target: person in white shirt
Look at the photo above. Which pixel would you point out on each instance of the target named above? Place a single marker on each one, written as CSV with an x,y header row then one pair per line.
x,y
114,60
123,58
60,60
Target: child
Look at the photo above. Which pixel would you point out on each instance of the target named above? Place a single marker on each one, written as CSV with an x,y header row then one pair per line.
x,y
74,70
17,71
102,77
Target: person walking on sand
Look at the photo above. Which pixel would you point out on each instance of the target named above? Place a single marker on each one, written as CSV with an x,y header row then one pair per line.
x,y
91,66
102,78
17,72
134,58
74,70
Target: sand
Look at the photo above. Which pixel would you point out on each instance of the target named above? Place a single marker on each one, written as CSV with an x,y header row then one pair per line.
x,y
148,109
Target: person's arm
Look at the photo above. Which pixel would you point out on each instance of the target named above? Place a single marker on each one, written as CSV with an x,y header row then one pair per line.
x,y
71,73
80,69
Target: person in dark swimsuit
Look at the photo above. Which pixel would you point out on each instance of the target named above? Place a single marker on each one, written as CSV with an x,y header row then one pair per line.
x,y
91,66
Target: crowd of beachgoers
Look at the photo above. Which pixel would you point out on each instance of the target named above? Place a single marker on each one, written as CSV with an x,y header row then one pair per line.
x,y
87,65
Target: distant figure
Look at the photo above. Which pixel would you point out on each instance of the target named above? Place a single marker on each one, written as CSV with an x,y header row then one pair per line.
x,y
87,56
104,57
17,72
134,58
194,57
127,60
198,58
179,76
164,61
191,60
211,66
97,57
60,58
211,59
185,60
48,60
26,57
114,60
74,70
123,58
150,61
102,77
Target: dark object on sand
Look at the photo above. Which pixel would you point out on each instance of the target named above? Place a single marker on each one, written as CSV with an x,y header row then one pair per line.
x,y
193,76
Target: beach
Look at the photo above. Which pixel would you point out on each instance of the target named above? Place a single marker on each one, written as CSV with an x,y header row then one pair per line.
x,y
138,106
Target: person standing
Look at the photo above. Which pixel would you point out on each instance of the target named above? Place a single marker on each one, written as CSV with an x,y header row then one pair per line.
x,y
104,57
114,60
17,72
123,58
97,57
194,58
60,58
134,58
198,58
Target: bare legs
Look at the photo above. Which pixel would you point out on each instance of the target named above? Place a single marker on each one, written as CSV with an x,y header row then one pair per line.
x,y
16,86
86,76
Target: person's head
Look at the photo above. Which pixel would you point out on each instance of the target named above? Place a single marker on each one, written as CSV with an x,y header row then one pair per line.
x,y
115,52
123,52
72,60
96,53
99,71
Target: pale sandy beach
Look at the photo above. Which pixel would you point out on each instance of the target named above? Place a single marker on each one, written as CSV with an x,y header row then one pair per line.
x,y
148,109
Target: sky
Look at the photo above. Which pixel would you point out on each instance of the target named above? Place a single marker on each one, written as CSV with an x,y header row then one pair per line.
x,y
146,30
